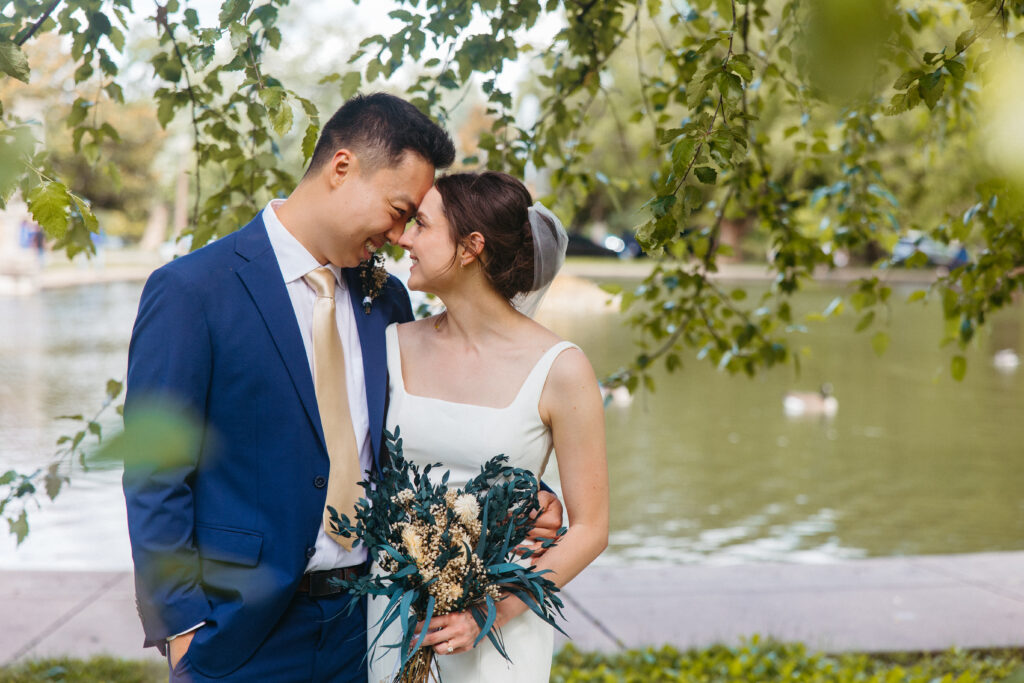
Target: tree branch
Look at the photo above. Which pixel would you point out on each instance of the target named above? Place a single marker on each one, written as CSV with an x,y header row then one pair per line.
x,y
35,27
161,19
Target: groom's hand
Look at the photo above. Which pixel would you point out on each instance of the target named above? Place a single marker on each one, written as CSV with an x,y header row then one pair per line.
x,y
546,524
179,646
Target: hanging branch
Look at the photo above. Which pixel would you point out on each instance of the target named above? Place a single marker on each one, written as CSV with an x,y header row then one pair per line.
x,y
161,19
35,27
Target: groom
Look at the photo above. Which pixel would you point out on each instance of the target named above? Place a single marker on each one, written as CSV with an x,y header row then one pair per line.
x,y
232,562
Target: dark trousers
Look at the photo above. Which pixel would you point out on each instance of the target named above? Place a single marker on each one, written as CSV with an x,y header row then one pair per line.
x,y
314,641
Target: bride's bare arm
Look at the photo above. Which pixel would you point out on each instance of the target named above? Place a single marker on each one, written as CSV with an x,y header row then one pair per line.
x,y
571,405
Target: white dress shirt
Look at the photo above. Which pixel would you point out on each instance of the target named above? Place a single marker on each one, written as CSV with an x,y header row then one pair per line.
x,y
295,262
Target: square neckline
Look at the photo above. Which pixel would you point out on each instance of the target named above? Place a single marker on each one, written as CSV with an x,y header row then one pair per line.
x,y
392,333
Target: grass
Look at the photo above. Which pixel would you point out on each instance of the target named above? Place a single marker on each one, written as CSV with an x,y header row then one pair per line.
x,y
95,670
757,660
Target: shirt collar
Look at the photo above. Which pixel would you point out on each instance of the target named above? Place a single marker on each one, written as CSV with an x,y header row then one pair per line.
x,y
293,258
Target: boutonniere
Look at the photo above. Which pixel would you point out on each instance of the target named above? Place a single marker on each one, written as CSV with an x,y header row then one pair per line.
x,y
372,278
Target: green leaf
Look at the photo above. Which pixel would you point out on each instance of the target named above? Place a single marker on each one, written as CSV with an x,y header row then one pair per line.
x,y
706,175
880,342
667,136
19,527
964,39
165,111
917,295
931,87
53,482
956,69
731,87
78,112
958,367
50,203
741,69
114,388
692,198
283,119
13,61
373,70
239,36
92,224
350,84
231,11
272,97
116,38
907,79
309,142
865,321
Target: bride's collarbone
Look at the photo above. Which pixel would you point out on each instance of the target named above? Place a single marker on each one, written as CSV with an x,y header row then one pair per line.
x,y
489,380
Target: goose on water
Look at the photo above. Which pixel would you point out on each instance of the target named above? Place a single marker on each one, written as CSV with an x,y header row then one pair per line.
x,y
1006,360
822,402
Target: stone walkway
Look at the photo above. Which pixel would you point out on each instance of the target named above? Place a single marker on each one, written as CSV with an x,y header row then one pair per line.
x,y
914,603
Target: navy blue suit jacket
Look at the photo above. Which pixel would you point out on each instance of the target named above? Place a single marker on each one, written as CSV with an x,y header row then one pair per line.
x,y
224,533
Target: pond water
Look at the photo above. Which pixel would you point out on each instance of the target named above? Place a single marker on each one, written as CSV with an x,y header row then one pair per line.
x,y
708,469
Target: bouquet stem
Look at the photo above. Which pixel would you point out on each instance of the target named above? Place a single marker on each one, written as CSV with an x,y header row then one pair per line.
x,y
417,669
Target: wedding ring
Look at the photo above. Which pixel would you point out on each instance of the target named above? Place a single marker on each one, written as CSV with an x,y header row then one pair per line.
x,y
450,648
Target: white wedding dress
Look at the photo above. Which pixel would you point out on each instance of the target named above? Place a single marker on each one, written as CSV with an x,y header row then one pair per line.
x,y
462,437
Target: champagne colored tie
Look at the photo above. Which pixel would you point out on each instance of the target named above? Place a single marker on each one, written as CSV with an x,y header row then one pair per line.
x,y
332,399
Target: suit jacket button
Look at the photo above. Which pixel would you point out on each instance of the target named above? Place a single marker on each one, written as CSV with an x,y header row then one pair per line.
x,y
310,552
320,482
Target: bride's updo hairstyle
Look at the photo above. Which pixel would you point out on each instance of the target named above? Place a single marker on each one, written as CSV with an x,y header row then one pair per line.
x,y
495,205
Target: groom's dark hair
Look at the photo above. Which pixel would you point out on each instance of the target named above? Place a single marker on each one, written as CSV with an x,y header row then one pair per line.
x,y
380,128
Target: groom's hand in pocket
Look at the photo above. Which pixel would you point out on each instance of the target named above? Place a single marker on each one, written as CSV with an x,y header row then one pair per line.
x,y
546,525
179,646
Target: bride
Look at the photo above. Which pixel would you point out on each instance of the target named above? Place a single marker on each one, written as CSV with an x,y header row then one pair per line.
x,y
483,379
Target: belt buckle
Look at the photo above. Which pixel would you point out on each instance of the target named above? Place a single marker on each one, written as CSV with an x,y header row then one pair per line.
x,y
320,584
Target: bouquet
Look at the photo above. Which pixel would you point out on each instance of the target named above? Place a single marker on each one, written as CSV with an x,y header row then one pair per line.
x,y
446,550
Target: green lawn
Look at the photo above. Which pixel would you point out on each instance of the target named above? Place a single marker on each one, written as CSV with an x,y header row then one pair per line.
x,y
95,670
761,661
756,661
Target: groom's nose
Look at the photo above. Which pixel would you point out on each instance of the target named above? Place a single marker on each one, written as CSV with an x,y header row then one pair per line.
x,y
395,233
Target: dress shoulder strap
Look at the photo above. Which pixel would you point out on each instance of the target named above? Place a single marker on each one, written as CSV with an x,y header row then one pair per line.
x,y
534,384
394,355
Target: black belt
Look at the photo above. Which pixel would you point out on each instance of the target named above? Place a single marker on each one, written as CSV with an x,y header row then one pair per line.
x,y
319,585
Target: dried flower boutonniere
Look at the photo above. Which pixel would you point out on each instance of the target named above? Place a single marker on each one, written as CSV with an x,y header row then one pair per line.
x,y
372,278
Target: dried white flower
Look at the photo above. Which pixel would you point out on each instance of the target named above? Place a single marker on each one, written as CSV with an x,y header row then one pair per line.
x,y
467,508
413,543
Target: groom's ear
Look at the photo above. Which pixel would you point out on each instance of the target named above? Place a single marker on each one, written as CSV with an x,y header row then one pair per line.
x,y
472,247
341,166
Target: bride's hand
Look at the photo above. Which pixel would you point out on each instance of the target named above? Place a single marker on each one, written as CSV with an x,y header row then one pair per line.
x,y
451,634
546,524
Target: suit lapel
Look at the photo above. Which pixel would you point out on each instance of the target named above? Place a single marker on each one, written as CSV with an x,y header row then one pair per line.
x,y
371,340
262,278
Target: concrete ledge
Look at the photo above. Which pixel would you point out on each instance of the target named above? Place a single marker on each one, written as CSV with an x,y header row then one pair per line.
x,y
887,604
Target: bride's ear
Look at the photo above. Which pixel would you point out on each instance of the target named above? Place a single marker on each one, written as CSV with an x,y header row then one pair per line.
x,y
472,247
